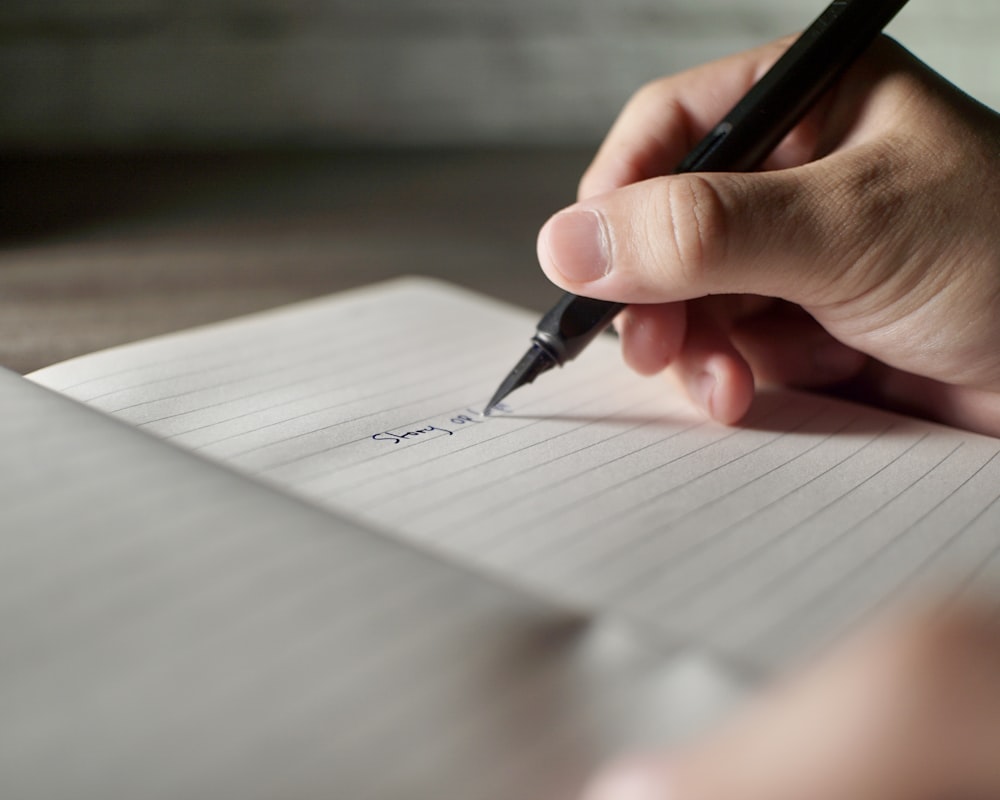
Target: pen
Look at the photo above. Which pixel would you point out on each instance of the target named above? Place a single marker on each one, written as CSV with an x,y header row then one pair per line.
x,y
739,143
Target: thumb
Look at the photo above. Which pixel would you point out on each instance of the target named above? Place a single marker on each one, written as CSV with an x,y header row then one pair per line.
x,y
785,233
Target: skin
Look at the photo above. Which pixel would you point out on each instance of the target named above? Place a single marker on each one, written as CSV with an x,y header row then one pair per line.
x,y
909,710
868,247
866,251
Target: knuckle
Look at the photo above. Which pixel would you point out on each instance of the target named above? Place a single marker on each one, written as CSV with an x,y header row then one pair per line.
x,y
654,101
588,183
649,93
872,198
695,214
873,189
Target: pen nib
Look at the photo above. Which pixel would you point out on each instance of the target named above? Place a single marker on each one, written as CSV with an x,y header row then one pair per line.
x,y
534,363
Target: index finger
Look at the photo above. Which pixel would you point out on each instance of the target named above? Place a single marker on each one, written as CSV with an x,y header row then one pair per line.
x,y
666,118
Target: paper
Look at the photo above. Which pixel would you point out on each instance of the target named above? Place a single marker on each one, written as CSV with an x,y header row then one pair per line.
x,y
171,630
592,485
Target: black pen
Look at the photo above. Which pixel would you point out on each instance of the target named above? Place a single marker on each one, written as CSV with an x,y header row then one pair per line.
x,y
739,143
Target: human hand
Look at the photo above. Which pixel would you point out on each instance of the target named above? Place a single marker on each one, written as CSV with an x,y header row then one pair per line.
x,y
872,231
910,710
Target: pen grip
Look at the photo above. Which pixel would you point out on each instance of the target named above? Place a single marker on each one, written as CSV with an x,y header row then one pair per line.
x,y
743,139
572,324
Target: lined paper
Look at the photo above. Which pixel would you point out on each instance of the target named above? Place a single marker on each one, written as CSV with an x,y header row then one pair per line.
x,y
172,630
594,485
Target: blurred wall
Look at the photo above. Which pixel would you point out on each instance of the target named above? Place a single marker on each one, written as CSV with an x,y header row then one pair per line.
x,y
210,73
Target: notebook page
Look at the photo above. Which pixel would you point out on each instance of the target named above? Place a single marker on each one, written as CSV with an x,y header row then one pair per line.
x,y
174,631
592,485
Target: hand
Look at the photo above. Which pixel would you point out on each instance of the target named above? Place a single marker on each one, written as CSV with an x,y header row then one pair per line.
x,y
870,241
909,711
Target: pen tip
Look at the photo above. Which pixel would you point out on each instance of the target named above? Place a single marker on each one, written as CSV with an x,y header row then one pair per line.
x,y
532,364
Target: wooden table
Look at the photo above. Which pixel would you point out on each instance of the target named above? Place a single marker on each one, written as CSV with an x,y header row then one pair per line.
x,y
97,251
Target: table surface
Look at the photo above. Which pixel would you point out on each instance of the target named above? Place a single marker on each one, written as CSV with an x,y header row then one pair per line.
x,y
100,250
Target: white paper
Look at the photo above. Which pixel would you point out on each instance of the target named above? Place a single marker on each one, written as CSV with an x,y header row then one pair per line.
x,y
171,630
594,485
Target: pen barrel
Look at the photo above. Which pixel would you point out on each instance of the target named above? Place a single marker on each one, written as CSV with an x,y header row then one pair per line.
x,y
752,129
764,116
572,324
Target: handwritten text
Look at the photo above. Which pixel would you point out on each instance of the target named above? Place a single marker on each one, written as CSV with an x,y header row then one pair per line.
x,y
464,418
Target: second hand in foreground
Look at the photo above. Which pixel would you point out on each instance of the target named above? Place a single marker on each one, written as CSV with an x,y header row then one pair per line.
x,y
739,143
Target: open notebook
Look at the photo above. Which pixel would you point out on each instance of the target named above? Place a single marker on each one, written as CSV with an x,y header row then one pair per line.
x,y
595,527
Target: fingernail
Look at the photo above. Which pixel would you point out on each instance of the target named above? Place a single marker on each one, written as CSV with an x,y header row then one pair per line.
x,y
576,243
703,389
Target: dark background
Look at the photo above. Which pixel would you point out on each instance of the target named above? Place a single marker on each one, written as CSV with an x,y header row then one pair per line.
x,y
169,163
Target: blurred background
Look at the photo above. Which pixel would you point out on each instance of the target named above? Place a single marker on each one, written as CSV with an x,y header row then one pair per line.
x,y
168,162
222,74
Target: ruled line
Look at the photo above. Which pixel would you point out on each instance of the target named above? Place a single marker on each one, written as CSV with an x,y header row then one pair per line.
x,y
652,576
808,605
421,378
600,485
627,543
817,554
387,474
993,553
233,338
215,385
775,582
548,487
463,388
284,387
466,490
759,550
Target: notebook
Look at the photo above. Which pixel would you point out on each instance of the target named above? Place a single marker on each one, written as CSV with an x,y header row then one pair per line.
x,y
286,555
